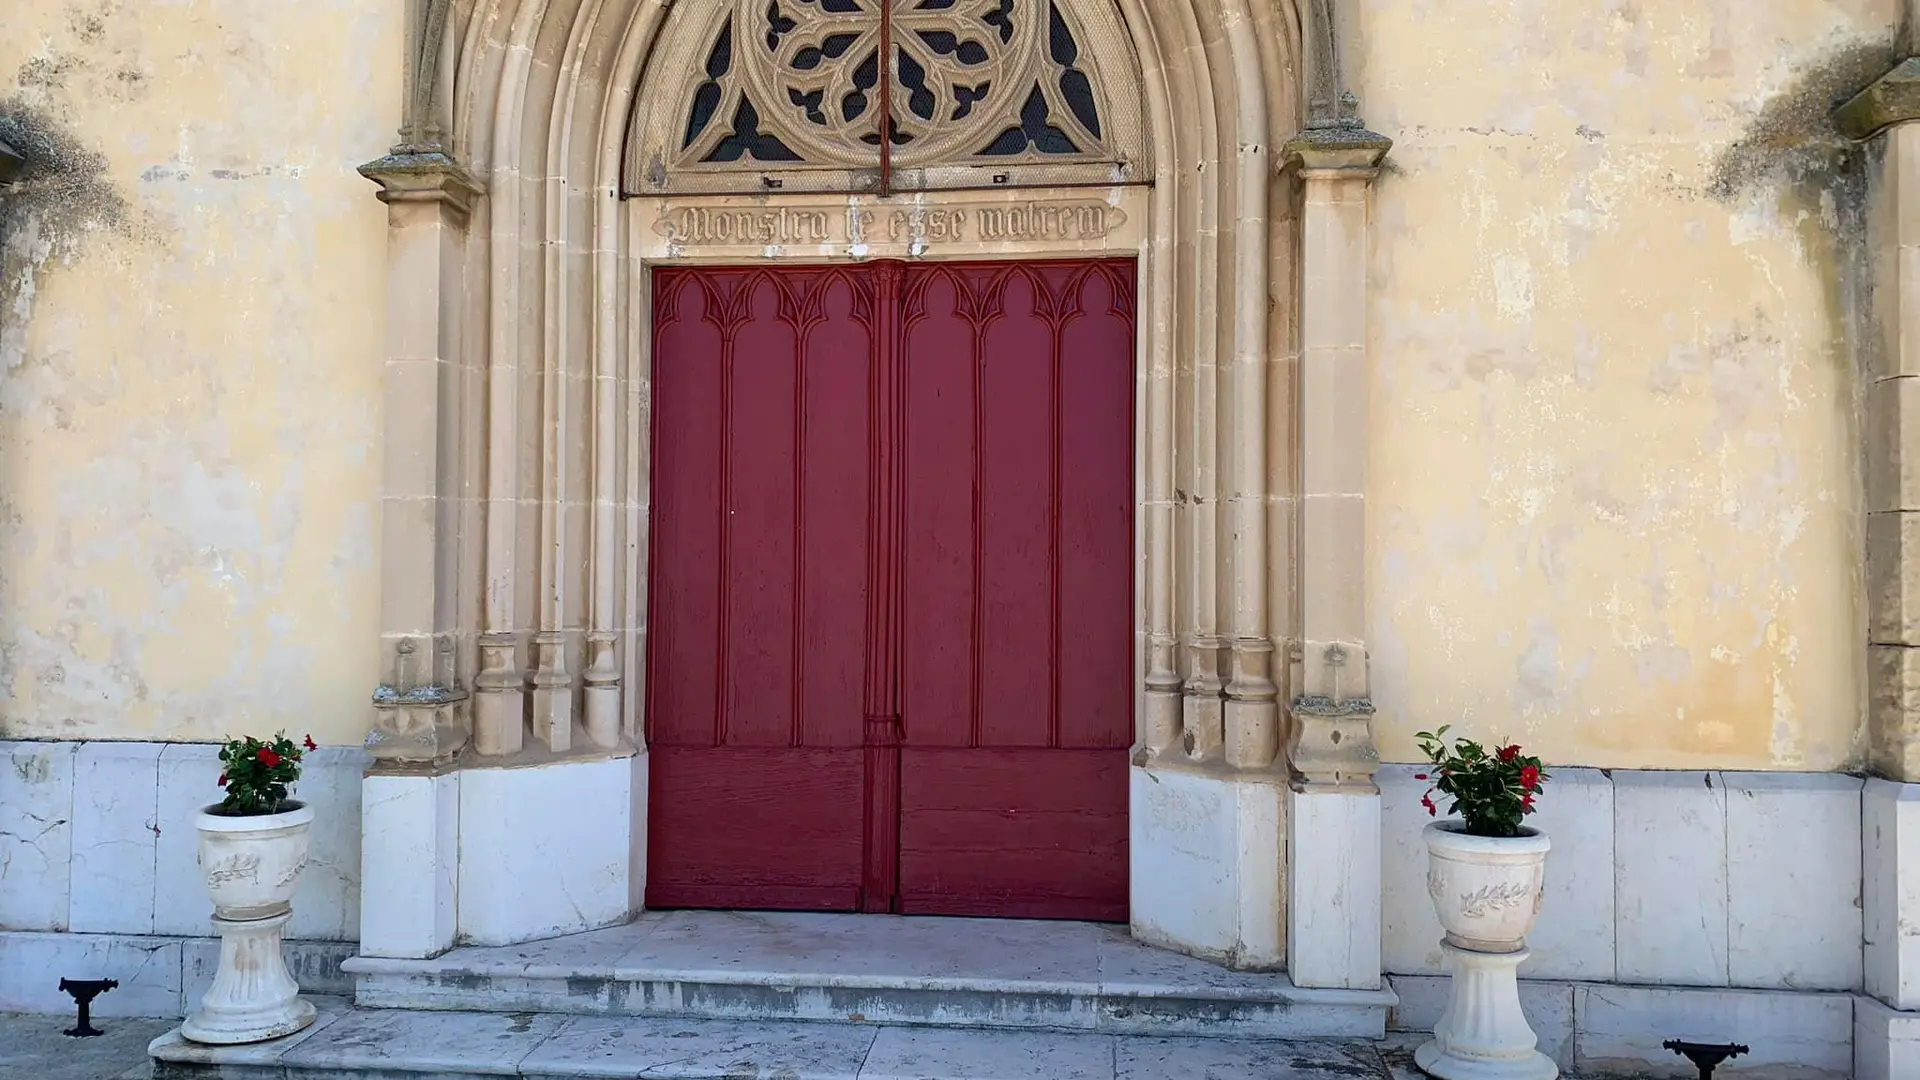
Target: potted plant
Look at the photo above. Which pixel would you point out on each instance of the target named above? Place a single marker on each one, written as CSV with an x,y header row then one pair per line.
x,y
253,846
1485,873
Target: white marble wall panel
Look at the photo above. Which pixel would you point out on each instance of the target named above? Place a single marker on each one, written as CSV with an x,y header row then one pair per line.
x,y
1793,881
1618,1030
36,833
1886,1042
1891,891
527,868
410,836
189,781
327,907
1333,910
112,844
1670,877
1205,870
32,965
115,818
1409,931
1574,938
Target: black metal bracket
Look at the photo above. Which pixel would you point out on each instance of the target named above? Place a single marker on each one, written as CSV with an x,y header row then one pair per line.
x,y
84,991
1705,1056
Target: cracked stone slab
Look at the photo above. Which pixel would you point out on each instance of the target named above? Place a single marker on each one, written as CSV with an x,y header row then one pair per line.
x,y
699,1050
475,1044
36,833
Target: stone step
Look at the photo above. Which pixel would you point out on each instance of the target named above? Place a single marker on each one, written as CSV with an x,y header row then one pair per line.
x,y
387,1044
969,973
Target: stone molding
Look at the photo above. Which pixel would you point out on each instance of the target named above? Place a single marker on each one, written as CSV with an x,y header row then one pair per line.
x,y
424,176
1891,421
1893,98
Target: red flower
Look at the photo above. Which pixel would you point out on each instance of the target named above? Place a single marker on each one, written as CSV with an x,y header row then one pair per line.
x,y
310,745
1427,801
268,757
1419,776
1508,753
1526,801
1529,778
222,781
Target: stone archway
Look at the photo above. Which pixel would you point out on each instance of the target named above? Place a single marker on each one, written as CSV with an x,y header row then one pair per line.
x,y
516,506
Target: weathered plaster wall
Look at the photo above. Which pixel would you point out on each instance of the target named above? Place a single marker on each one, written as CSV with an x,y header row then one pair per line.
x,y
191,319
1616,489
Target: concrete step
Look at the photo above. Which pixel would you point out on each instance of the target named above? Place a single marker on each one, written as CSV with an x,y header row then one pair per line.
x,y
968,973
386,1044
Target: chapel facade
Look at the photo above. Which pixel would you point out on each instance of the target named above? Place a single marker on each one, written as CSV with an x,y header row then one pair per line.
x,y
999,459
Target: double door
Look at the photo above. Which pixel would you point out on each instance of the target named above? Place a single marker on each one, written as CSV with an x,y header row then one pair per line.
x,y
889,644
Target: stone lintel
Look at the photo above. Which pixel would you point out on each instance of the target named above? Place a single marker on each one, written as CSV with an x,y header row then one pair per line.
x,y
423,174
1347,147
1893,98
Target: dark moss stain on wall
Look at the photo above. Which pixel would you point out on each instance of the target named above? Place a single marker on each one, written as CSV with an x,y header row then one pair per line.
x,y
62,196
1818,177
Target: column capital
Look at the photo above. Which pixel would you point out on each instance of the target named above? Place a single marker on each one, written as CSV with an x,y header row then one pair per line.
x,y
428,175
1344,147
1332,747
424,726
1893,98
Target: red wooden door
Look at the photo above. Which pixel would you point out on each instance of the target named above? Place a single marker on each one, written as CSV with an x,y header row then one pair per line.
x,y
890,655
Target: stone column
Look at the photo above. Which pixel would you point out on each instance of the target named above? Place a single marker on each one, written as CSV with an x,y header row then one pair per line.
x,y
1886,115
410,797
1333,821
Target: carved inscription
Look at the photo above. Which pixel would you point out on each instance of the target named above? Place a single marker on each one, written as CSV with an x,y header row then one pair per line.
x,y
1087,221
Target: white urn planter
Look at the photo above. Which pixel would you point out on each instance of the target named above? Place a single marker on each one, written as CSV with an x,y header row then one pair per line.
x,y
1486,891
252,866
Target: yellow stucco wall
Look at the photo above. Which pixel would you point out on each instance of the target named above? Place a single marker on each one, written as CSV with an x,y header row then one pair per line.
x,y
190,359
1615,499
1614,493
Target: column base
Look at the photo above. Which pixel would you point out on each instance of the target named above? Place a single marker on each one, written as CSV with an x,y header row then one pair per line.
x,y
253,998
1484,1035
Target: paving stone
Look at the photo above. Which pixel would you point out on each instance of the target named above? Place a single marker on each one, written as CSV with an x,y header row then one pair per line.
x,y
32,1047
699,1050
925,1054
479,1044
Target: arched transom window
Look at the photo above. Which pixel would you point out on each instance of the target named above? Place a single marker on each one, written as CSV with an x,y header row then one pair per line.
x,y
792,95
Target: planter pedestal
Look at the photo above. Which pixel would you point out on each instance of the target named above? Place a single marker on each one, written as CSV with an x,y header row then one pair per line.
x,y
1483,1035
253,997
252,866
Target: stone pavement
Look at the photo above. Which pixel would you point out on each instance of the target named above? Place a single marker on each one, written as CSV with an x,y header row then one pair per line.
x,y
33,1048
391,1044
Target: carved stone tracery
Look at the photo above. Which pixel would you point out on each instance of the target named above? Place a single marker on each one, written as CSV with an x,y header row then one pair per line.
x,y
791,86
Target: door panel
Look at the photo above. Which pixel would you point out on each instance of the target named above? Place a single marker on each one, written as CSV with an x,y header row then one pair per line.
x,y
890,660
759,576
1016,804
